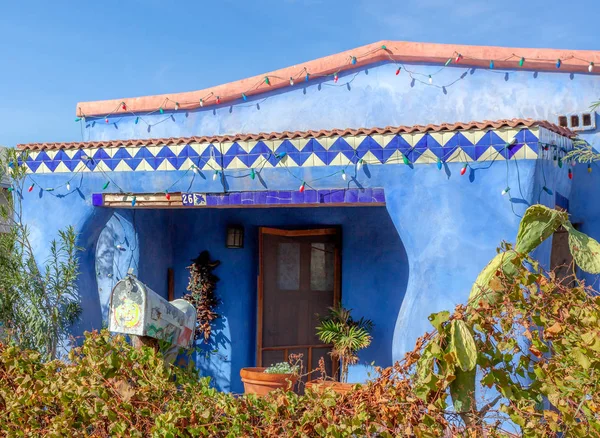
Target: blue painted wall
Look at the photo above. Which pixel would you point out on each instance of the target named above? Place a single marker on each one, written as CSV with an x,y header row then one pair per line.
x,y
418,255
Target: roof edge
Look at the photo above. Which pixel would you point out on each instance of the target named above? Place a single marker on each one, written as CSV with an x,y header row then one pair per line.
x,y
576,61
486,124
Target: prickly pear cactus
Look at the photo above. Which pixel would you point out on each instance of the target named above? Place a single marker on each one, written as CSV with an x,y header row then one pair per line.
x,y
585,250
538,223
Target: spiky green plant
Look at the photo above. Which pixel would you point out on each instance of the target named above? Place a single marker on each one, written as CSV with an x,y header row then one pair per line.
x,y
347,335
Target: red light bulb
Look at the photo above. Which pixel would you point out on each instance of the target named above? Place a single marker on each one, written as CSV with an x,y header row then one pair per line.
x,y
124,106
30,189
218,100
301,189
335,78
398,71
168,196
570,174
463,170
106,120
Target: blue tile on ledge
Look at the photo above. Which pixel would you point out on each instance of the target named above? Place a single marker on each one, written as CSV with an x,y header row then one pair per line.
x,y
280,197
310,197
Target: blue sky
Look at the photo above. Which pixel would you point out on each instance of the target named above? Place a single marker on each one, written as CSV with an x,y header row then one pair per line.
x,y
56,53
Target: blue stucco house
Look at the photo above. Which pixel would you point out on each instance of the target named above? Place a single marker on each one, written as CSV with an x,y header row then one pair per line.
x,y
356,178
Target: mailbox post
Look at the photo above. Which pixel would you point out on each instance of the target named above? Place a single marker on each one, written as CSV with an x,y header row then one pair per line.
x,y
137,310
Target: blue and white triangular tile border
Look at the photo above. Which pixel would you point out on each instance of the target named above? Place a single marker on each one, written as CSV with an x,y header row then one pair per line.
x,y
520,143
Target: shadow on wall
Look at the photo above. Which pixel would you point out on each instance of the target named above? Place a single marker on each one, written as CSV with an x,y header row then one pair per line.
x,y
375,275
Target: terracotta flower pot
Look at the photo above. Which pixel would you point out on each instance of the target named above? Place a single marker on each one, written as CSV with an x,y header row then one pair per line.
x,y
256,381
321,385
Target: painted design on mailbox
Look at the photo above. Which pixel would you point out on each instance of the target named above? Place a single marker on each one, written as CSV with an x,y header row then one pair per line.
x,y
127,314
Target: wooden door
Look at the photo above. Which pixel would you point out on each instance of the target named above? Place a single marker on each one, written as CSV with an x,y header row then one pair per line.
x,y
299,277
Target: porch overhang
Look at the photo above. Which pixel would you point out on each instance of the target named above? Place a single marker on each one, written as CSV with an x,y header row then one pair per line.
x,y
351,197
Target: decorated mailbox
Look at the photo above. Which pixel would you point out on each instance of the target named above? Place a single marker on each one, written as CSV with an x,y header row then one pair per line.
x,y
135,309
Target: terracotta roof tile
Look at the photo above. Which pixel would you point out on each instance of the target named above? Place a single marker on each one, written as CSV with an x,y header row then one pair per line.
x,y
486,124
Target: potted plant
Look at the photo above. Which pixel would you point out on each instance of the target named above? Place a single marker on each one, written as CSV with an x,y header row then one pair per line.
x,y
348,336
260,380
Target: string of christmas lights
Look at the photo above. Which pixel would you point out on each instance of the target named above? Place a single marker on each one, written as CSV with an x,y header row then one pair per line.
x,y
303,74
547,151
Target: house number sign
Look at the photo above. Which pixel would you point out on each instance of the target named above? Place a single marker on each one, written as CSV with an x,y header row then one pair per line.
x,y
193,199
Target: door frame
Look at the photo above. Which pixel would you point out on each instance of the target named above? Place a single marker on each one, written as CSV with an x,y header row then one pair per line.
x,y
337,273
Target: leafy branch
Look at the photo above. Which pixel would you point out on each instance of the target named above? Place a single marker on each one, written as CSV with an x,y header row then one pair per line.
x,y
37,305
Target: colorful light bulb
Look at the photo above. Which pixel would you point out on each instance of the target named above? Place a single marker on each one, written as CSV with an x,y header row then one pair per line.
x,y
459,58
302,187
252,173
560,162
398,71
161,110
167,195
591,67
558,63
505,191
106,120
215,175
430,80
589,168
68,187
570,174
405,159
30,189
521,62
218,100
77,119
492,64
244,97
344,176
267,81
463,170
547,190
354,60
105,186
335,77
133,201
359,165
439,164
176,106
123,106
307,77
291,81
10,189
137,120
448,62
201,102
